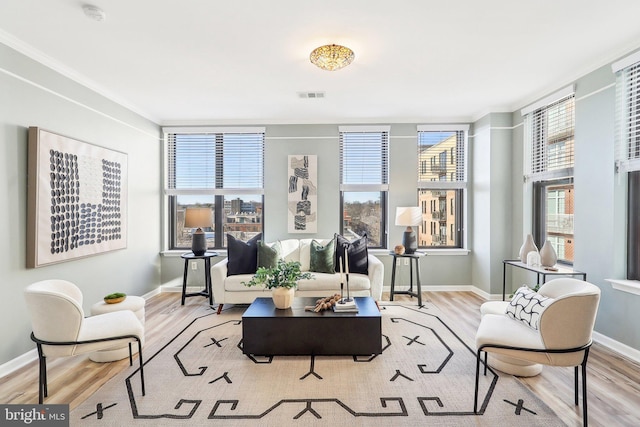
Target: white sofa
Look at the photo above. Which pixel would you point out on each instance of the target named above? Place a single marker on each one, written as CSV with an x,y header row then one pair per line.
x,y
230,290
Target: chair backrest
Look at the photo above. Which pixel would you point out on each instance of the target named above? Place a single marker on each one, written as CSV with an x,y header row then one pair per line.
x,y
569,320
55,308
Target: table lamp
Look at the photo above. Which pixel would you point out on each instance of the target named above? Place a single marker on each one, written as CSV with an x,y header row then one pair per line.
x,y
409,216
198,218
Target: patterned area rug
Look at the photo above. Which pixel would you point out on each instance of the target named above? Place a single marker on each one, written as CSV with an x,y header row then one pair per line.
x,y
425,375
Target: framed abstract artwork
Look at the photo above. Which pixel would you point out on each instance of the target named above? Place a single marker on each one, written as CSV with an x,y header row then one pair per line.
x,y
302,205
76,201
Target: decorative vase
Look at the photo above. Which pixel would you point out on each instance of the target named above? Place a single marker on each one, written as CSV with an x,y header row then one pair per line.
x,y
548,256
527,246
282,297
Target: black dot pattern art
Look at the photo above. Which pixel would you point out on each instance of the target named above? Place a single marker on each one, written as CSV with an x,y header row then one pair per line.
x,y
78,221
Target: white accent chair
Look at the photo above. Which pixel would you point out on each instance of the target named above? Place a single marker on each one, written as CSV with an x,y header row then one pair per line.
x,y
563,337
60,328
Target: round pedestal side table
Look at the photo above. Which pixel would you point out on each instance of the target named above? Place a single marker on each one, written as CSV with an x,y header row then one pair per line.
x,y
133,303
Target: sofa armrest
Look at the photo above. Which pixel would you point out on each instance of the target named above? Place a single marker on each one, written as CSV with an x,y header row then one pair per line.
x,y
218,274
376,277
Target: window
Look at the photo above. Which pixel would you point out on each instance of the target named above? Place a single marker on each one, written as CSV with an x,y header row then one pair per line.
x,y
217,168
628,151
443,184
549,130
364,182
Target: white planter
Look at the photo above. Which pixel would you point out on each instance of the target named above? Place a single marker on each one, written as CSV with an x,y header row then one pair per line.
x,y
282,297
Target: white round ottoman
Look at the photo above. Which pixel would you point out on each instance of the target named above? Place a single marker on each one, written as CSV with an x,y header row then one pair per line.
x,y
509,365
133,303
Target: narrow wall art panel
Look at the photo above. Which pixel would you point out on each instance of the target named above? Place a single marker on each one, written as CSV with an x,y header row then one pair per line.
x,y
303,194
77,199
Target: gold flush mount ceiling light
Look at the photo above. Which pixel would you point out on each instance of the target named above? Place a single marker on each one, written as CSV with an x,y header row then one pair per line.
x,y
331,57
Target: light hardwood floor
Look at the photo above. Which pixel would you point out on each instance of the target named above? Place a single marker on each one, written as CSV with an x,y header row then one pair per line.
x,y
613,381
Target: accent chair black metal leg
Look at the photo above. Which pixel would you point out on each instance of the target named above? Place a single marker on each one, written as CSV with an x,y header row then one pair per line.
x,y
585,418
475,396
141,365
575,380
485,363
130,355
42,375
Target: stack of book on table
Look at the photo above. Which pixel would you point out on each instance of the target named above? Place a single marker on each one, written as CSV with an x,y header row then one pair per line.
x,y
345,307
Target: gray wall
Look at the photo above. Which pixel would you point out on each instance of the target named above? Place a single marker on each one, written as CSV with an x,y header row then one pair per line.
x,y
34,95
323,140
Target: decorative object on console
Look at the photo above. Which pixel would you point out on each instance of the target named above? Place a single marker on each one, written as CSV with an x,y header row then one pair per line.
x,y
399,250
198,218
528,246
407,217
548,256
533,259
302,207
281,279
76,199
331,57
242,256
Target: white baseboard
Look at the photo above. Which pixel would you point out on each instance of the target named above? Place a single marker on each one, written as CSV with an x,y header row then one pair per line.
x,y
17,363
618,347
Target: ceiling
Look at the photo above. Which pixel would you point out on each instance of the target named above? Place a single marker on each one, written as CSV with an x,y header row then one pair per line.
x,y
246,61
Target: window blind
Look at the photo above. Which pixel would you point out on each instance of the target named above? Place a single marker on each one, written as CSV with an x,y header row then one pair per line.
x,y
215,163
441,158
627,142
364,159
550,132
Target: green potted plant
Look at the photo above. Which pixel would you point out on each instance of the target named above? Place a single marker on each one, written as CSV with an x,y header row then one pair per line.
x,y
281,279
115,298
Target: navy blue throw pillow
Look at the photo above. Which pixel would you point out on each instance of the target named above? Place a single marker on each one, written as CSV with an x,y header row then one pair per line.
x,y
356,252
242,256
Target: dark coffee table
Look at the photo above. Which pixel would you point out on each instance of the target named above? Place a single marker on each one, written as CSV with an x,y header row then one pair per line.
x,y
268,331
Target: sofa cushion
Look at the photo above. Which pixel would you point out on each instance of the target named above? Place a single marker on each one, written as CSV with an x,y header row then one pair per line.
x,y
330,283
242,256
356,252
305,252
268,254
526,306
322,257
237,282
290,250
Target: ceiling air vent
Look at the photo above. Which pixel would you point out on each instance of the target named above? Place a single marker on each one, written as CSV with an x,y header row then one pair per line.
x,y
311,95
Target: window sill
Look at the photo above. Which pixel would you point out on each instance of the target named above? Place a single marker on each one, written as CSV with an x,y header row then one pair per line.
x,y
430,252
630,286
175,253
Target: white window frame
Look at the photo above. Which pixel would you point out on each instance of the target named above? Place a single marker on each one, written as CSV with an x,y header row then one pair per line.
x,y
355,184
170,190
462,174
537,173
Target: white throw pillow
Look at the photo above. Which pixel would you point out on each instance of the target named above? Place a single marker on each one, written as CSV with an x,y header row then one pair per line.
x,y
526,306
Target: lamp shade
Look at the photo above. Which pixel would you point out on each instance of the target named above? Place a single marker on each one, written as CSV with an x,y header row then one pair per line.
x,y
197,218
408,216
